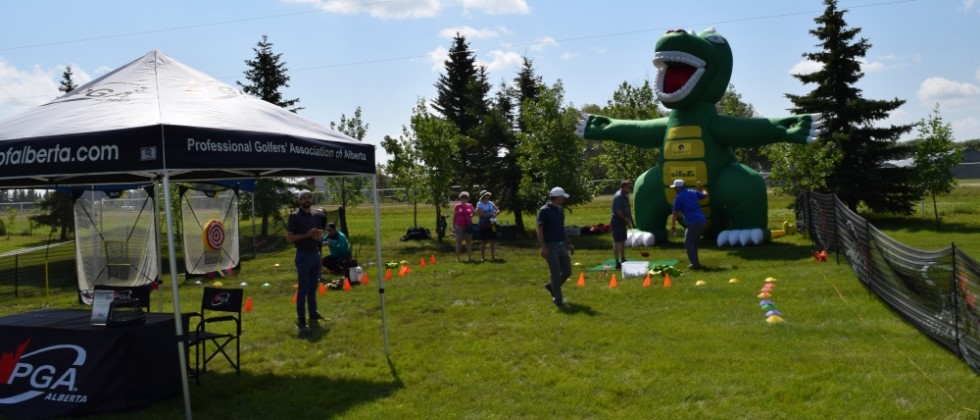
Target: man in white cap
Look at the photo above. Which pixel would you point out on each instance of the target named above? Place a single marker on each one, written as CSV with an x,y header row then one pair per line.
x,y
686,203
304,230
555,247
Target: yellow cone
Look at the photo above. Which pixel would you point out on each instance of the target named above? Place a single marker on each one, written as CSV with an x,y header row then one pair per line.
x,y
775,319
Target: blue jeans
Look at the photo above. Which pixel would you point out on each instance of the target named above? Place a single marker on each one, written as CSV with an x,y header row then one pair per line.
x,y
691,236
560,265
308,275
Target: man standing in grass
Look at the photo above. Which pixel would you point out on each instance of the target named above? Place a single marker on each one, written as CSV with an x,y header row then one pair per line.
x,y
622,220
555,248
303,230
686,204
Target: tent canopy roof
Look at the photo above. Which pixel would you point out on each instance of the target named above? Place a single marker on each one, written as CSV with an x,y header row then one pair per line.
x,y
157,114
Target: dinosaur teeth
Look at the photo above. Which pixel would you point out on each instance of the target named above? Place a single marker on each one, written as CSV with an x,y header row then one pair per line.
x,y
670,74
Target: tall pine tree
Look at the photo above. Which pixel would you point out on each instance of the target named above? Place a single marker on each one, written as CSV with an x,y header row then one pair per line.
x,y
850,121
67,83
266,74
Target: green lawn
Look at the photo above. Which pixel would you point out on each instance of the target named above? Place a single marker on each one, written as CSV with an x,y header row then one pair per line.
x,y
483,340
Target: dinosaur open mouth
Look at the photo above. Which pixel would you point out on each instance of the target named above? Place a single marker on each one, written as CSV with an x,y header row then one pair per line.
x,y
677,74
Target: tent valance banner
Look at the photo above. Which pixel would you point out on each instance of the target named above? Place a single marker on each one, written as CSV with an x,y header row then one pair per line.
x,y
156,113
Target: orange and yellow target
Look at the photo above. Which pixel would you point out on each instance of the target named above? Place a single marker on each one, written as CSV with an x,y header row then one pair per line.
x,y
214,235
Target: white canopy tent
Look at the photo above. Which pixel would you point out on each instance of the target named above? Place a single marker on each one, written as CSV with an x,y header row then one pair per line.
x,y
156,119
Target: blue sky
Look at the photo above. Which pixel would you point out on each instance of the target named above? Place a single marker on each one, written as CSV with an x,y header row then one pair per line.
x,y
382,55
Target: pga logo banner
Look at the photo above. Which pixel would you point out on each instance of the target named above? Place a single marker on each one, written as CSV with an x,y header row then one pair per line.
x,y
49,373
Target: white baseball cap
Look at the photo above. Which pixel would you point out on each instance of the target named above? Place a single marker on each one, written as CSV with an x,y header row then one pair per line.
x,y
558,192
678,183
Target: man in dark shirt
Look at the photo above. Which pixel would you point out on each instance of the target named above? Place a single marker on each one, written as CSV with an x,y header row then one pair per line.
x,y
303,230
555,247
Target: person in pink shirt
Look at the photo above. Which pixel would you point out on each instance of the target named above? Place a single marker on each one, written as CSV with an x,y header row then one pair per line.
x,y
462,220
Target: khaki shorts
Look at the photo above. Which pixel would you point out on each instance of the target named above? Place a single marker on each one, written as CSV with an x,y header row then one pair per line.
x,y
461,233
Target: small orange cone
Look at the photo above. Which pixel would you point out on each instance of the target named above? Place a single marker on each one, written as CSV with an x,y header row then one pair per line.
x,y
422,261
388,274
666,280
581,279
646,281
346,284
365,279
408,269
432,258
295,297
612,282
248,305
401,271
323,289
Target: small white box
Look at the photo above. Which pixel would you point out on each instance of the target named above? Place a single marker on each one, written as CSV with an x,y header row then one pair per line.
x,y
635,268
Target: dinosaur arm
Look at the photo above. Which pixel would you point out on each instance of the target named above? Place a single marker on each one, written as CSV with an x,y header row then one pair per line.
x,y
752,132
640,133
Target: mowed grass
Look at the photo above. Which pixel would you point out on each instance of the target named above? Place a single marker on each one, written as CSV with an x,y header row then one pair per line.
x,y
483,340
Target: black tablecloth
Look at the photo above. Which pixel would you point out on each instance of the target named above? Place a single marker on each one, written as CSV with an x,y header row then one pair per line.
x,y
54,363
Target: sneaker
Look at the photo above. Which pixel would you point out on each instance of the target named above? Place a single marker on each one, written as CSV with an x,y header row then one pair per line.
x,y
694,267
547,287
619,265
316,317
560,304
301,324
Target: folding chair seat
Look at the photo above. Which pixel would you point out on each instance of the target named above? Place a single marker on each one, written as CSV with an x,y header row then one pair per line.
x,y
139,292
217,327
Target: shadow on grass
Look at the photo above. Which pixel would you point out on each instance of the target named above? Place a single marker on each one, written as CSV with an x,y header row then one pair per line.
x,y
286,396
575,309
777,251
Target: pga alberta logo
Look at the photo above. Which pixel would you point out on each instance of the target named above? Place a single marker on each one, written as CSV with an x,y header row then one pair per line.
x,y
24,377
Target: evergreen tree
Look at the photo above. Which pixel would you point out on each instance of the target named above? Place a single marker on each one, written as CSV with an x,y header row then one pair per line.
x,y
67,84
461,97
347,190
850,119
57,211
266,74
935,157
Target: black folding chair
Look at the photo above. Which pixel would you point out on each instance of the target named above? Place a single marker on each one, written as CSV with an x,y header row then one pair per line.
x,y
139,292
219,324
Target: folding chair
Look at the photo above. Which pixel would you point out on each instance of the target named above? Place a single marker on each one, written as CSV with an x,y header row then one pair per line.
x,y
215,329
139,292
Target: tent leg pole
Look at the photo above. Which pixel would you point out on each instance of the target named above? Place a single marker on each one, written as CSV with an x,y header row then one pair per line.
x,y
379,264
182,357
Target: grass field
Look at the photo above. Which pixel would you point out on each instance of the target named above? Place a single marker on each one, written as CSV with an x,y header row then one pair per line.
x,y
483,340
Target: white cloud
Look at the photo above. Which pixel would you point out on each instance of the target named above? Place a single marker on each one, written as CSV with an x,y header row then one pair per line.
x,y
405,9
470,33
23,89
968,5
542,43
497,7
870,66
502,60
438,58
950,93
569,56
966,129
805,67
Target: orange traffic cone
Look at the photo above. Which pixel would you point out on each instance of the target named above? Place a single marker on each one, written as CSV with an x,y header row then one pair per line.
x,y
666,280
581,279
388,274
365,280
323,289
248,305
402,271
422,261
295,297
646,281
612,282
432,258
346,284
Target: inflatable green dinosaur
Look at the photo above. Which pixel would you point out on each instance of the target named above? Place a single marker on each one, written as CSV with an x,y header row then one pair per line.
x,y
693,71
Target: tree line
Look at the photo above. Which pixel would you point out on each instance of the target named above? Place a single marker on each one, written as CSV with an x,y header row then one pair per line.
x,y
519,139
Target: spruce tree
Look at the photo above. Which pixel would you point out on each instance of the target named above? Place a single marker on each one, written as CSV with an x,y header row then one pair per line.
x,y
266,75
67,84
850,121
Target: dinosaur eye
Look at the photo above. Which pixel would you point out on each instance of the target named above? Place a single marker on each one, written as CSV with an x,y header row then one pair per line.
x,y
715,38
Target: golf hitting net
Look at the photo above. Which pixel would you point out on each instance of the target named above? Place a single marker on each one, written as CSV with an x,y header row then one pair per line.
x,y
115,238
209,219
937,291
